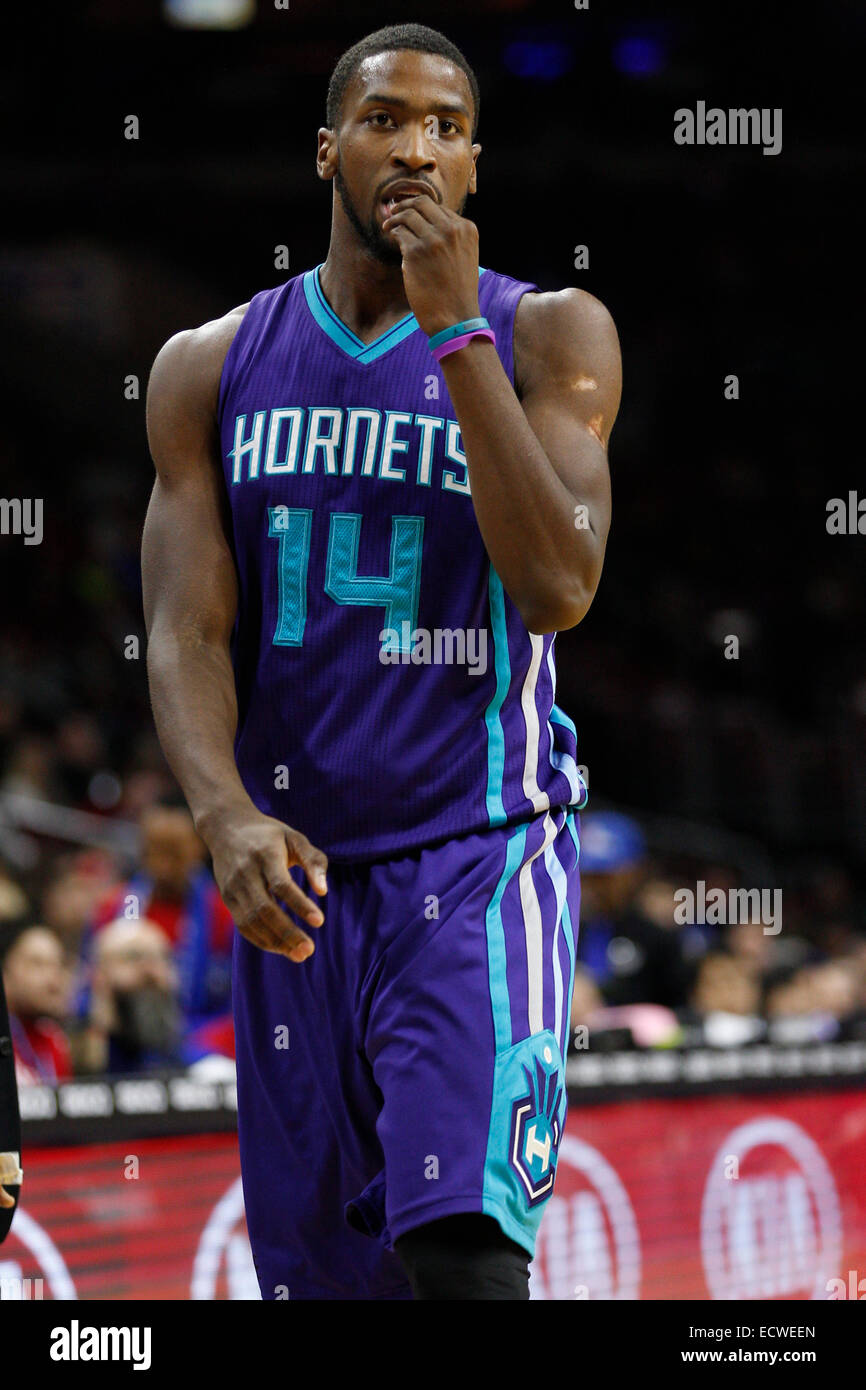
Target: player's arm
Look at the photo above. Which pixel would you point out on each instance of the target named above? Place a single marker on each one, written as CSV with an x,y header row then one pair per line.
x,y
190,603
538,464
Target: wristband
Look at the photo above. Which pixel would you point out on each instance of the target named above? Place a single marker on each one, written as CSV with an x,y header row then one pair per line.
x,y
458,335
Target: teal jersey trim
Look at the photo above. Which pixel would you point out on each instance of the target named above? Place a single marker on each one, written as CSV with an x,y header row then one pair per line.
x,y
570,933
500,1002
342,336
495,735
571,946
560,717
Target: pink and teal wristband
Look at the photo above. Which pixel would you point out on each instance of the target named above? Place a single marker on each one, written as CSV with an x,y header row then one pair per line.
x,y
458,335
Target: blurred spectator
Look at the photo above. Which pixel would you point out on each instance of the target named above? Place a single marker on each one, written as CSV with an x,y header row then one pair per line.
x,y
30,770
629,956
585,998
832,907
15,908
134,1020
142,789
698,938
13,899
833,986
724,1008
37,991
817,1003
604,1029
75,888
79,754
764,952
175,890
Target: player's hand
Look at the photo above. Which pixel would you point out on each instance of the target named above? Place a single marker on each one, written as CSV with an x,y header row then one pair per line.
x,y
440,261
10,1172
252,854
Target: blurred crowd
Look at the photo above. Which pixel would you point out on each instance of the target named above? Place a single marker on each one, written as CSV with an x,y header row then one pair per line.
x,y
116,973
677,955
118,967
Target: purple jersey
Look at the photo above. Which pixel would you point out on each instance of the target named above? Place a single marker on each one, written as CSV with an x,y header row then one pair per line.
x,y
389,694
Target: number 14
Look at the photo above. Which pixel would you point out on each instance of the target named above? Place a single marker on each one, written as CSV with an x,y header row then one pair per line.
x,y
397,591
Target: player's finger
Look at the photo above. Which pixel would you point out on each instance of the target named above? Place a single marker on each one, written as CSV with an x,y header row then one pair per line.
x,y
281,885
423,203
410,219
6,1199
286,935
314,862
271,930
256,915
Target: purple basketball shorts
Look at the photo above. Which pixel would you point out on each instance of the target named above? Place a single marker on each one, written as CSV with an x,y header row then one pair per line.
x,y
412,1068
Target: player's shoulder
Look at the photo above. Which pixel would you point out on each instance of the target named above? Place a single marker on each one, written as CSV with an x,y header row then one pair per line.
x,y
561,330
195,356
562,313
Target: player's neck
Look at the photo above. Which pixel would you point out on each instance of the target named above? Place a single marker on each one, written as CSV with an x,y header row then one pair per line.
x,y
366,294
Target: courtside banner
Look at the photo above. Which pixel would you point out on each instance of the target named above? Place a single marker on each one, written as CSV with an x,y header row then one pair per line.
x,y
711,1197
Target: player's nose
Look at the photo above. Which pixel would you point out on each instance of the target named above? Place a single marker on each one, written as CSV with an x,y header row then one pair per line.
x,y
416,148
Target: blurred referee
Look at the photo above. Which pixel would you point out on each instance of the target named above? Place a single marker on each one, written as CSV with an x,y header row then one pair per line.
x,y
10,1125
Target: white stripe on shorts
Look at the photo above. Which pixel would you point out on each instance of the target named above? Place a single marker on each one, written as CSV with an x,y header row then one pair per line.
x,y
533,930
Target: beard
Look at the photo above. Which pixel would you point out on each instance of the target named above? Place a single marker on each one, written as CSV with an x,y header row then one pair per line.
x,y
148,1020
381,246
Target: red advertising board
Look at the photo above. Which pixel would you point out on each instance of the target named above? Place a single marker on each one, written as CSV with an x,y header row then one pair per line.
x,y
725,1197
137,1219
717,1197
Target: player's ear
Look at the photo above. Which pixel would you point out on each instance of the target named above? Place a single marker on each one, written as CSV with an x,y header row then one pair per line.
x,y
326,154
473,174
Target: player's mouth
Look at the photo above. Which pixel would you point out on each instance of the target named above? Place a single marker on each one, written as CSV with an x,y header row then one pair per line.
x,y
398,191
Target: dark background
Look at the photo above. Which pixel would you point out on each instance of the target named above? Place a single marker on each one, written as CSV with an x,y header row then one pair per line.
x,y
712,260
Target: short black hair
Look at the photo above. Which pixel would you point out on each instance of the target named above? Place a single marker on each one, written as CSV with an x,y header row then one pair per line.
x,y
413,36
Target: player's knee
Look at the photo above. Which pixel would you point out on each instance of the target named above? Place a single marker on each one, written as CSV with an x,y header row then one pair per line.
x,y
464,1257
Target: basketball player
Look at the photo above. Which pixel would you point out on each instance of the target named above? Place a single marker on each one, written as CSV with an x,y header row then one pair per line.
x,y
10,1124
381,489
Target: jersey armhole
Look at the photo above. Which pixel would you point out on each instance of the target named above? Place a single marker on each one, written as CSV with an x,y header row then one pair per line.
x,y
527,289
228,361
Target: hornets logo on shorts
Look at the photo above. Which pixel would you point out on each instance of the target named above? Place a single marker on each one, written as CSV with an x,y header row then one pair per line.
x,y
535,1130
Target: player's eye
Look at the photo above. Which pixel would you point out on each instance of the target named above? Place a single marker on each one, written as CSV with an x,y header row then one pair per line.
x,y
453,125
375,116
